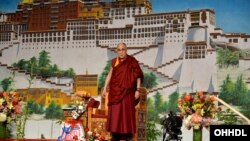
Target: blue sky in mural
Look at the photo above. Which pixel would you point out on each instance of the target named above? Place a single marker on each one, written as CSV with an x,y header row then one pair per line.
x,y
231,15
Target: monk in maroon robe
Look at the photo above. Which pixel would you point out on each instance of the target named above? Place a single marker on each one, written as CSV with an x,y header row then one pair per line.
x,y
124,80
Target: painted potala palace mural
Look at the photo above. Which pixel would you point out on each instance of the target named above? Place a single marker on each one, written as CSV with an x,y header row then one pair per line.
x,y
51,49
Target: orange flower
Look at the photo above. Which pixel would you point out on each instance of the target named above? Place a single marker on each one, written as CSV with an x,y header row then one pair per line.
x,y
187,97
200,94
212,98
179,101
5,94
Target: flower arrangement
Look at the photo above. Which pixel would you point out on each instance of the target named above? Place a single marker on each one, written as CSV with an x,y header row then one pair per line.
x,y
10,106
95,135
198,110
80,100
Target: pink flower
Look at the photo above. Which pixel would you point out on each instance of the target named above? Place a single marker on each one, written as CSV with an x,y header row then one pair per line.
x,y
18,109
196,118
189,111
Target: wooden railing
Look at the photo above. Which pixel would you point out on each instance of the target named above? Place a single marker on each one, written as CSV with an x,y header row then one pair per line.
x,y
234,110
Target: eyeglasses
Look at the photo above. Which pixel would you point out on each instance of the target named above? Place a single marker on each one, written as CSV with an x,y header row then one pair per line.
x,y
123,49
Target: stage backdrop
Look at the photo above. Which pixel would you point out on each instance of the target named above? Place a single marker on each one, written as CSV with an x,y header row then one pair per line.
x,y
50,50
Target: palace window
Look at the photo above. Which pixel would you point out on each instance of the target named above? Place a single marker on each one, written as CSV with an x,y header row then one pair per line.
x,y
235,40
195,52
195,16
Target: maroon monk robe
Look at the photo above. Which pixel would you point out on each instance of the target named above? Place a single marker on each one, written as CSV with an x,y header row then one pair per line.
x,y
122,87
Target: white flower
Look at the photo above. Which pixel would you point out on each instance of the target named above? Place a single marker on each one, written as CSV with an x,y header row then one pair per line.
x,y
89,133
187,121
3,117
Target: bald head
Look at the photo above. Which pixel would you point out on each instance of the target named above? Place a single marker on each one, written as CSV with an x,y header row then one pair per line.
x,y
122,50
122,44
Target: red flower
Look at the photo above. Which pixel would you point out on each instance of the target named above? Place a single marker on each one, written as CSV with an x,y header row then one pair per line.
x,y
86,130
191,99
75,137
14,102
202,99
